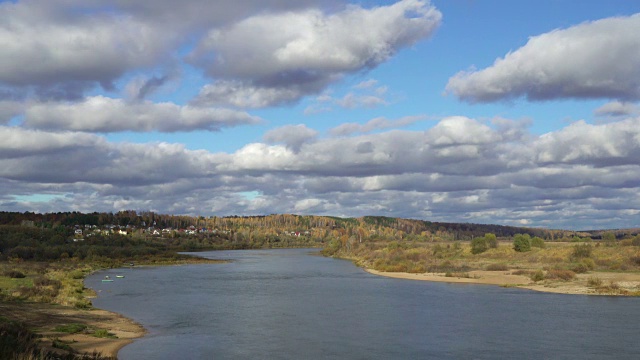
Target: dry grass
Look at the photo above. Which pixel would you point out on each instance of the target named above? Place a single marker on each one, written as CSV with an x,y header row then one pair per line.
x,y
553,266
59,283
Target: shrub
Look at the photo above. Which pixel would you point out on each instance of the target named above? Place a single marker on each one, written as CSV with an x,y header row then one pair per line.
x,y
594,281
522,272
446,267
43,281
72,328
77,274
83,304
522,243
609,238
457,274
537,276
59,344
492,241
580,268
582,251
589,263
37,293
497,267
479,245
537,242
103,333
559,274
15,274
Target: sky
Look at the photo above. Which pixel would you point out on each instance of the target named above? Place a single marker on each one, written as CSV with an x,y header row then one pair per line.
x,y
522,113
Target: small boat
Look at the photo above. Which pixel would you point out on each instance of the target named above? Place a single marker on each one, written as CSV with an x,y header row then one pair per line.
x,y
120,276
107,280
106,277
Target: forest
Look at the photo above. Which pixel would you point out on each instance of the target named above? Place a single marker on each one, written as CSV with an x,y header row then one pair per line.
x,y
45,257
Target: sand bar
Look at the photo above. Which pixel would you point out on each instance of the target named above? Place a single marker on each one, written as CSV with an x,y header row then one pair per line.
x,y
627,281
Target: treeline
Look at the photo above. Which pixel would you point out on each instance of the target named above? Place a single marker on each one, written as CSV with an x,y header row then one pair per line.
x,y
41,244
149,232
273,223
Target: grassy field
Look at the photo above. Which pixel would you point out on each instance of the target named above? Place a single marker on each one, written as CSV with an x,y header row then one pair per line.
x,y
612,269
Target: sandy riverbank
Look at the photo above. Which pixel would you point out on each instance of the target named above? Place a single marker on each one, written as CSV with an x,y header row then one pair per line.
x,y
44,318
629,282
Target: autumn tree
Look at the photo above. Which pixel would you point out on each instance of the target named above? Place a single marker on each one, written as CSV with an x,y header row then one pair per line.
x,y
522,242
492,241
479,245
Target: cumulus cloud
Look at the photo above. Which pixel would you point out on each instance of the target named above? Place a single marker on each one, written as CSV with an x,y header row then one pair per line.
x,y
103,114
293,136
306,50
17,142
68,158
459,170
598,59
141,87
617,108
603,145
61,55
9,109
366,94
243,95
380,123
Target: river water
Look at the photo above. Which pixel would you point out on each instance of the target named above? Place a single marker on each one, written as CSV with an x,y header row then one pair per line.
x,y
292,304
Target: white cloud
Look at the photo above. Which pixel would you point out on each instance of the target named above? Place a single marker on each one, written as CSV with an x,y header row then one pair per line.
x,y
365,94
380,123
306,50
17,142
47,49
243,95
459,170
599,59
293,136
9,109
617,108
102,114
597,145
460,130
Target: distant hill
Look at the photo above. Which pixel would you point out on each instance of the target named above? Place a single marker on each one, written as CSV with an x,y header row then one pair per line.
x,y
309,225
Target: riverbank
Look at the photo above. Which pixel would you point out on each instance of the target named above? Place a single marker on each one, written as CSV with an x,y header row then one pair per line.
x,y
595,283
56,307
52,322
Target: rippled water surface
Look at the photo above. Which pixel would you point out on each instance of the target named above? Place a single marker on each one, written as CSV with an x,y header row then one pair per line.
x,y
291,304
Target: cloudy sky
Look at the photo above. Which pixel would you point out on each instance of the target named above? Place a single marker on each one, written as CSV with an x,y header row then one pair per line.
x,y
505,112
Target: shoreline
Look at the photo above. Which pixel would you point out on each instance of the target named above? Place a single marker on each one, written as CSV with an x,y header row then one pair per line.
x,y
624,281
43,318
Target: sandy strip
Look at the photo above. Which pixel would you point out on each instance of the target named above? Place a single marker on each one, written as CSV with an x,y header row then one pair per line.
x,y
44,318
629,281
475,277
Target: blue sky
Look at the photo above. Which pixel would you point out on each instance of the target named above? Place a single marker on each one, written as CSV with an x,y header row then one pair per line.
x,y
506,112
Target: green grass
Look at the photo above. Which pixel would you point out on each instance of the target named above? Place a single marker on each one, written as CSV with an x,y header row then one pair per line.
x,y
103,333
73,328
10,283
59,344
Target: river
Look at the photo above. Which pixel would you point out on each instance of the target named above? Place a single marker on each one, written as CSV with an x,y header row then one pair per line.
x,y
294,304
